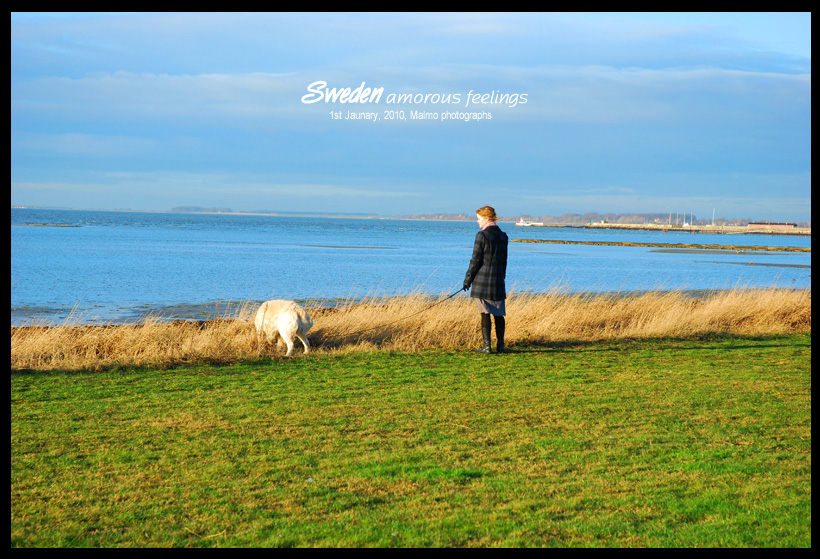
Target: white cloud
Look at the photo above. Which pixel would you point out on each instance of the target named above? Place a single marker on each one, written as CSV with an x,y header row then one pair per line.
x,y
130,96
611,98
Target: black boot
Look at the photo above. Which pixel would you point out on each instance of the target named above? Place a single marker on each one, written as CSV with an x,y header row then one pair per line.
x,y
486,333
500,324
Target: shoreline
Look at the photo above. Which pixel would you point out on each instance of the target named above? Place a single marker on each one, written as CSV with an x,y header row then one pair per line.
x,y
200,313
715,229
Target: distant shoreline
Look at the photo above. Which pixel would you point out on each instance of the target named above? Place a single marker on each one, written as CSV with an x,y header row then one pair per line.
x,y
719,229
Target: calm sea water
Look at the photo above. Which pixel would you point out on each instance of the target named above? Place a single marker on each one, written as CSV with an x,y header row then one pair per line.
x,y
118,266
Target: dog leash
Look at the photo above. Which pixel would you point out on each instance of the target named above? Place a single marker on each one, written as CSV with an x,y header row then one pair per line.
x,y
360,332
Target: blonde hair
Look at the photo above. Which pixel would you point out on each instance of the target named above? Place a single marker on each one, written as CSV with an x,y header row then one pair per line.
x,y
487,212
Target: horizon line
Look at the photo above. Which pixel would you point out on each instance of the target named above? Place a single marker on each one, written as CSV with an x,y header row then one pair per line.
x,y
452,216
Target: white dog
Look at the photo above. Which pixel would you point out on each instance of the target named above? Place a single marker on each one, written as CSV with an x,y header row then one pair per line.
x,y
284,319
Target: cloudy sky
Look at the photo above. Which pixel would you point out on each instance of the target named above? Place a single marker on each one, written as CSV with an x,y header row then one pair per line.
x,y
592,112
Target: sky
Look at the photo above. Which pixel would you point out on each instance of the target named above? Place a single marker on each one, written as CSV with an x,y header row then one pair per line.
x,y
542,114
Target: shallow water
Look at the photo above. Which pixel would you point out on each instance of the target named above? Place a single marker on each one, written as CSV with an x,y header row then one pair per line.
x,y
120,266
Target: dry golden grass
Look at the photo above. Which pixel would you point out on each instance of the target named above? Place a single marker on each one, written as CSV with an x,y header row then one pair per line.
x,y
418,322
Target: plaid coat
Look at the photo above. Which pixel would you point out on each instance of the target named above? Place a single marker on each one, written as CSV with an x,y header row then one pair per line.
x,y
488,266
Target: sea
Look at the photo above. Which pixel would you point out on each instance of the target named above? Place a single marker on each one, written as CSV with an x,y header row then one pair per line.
x,y
118,267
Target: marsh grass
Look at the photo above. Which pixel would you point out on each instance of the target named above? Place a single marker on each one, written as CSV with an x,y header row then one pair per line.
x,y
415,323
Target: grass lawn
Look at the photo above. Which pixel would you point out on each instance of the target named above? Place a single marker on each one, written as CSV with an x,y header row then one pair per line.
x,y
667,442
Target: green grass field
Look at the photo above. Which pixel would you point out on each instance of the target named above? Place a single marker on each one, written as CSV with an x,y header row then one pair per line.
x,y
651,443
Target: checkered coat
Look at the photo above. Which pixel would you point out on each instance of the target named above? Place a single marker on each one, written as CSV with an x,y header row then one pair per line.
x,y
488,266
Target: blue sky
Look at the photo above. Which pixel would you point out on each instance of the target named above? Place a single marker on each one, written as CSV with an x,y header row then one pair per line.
x,y
624,112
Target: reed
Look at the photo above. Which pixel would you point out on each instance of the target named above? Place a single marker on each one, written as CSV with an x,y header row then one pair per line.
x,y
417,322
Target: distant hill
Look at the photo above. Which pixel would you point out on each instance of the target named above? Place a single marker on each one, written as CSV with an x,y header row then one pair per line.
x,y
200,210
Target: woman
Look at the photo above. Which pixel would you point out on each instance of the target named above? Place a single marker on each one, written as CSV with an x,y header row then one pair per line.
x,y
486,274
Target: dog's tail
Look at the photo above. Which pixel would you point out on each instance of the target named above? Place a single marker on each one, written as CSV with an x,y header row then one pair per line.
x,y
259,319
